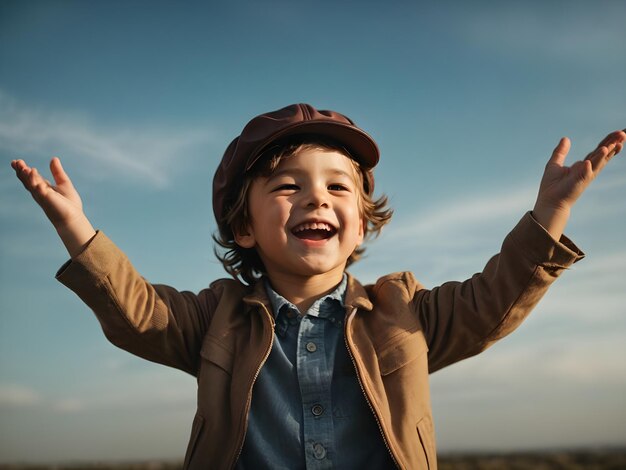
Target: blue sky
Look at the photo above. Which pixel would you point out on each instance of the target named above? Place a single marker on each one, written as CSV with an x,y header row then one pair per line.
x,y
466,101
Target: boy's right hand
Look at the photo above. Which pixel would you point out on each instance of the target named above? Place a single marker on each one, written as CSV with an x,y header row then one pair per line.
x,y
61,203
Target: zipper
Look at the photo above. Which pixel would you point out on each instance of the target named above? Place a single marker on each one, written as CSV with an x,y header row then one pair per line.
x,y
256,374
358,376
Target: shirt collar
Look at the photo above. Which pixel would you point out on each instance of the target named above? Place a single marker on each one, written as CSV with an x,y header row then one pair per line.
x,y
356,295
277,301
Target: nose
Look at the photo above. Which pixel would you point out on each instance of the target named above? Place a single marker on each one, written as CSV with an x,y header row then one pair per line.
x,y
317,196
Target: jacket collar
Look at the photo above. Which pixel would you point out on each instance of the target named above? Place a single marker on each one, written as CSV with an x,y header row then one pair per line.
x,y
257,295
356,295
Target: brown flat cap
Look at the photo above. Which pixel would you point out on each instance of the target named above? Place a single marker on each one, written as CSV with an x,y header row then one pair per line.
x,y
263,130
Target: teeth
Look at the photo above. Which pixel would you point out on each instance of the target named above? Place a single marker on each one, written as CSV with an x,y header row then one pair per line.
x,y
313,226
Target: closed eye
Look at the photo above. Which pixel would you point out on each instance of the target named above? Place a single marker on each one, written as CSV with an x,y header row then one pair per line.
x,y
286,187
338,187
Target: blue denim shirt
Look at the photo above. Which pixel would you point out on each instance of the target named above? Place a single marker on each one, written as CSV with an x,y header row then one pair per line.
x,y
308,409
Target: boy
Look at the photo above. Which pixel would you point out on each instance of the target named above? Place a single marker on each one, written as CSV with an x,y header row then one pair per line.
x,y
298,365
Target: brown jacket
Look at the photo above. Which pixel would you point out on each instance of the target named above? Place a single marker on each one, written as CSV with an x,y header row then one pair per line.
x,y
397,332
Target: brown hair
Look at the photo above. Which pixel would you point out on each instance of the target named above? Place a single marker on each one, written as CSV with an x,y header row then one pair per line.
x,y
245,263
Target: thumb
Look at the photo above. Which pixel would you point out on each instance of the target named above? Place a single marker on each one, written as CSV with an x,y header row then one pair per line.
x,y
58,173
560,152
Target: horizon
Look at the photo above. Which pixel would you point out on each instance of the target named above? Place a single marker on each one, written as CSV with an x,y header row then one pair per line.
x,y
591,455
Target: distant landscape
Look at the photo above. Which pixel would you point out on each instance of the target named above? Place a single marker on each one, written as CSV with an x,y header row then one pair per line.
x,y
597,459
605,459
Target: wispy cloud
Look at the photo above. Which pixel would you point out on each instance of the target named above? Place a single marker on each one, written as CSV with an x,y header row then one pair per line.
x,y
475,212
448,240
572,33
146,154
20,396
144,388
593,297
453,239
567,361
471,211
613,180
69,405
11,206
15,395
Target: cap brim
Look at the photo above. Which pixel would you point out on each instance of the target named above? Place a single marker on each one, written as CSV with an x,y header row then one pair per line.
x,y
357,142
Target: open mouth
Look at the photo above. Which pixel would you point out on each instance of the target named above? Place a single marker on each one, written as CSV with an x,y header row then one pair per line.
x,y
314,231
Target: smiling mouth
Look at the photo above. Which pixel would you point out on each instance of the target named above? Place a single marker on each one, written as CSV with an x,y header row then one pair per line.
x,y
314,231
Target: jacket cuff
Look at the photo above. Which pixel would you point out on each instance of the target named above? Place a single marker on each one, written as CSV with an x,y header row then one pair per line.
x,y
95,262
536,244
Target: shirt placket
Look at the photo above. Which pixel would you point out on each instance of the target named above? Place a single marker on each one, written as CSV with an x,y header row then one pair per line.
x,y
315,388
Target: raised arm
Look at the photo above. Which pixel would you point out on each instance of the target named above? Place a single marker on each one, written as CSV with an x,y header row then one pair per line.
x,y
60,202
562,185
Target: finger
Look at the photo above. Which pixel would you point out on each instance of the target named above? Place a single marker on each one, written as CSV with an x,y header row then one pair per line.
x,y
613,137
29,177
560,152
613,142
58,173
20,167
621,140
617,148
601,156
36,183
23,172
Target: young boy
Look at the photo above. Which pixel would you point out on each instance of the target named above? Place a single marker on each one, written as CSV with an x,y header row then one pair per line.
x,y
298,365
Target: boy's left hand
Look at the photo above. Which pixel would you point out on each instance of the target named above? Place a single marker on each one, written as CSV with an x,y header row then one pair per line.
x,y
562,185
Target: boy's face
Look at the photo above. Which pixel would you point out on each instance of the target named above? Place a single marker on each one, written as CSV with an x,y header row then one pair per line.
x,y
305,217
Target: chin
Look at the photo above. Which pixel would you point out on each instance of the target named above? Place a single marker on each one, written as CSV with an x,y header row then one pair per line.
x,y
320,268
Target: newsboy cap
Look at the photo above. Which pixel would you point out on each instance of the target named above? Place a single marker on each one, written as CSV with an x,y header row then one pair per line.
x,y
265,129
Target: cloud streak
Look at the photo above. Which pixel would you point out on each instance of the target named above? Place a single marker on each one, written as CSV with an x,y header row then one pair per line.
x,y
571,33
139,154
144,389
453,240
471,211
15,395
565,363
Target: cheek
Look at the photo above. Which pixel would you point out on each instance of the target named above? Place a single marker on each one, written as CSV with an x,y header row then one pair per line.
x,y
275,215
357,222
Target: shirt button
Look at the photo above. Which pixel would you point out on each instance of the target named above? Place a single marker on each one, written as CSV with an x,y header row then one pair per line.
x,y
319,452
311,347
290,314
317,410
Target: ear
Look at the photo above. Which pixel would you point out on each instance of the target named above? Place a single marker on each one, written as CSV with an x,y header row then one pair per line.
x,y
245,238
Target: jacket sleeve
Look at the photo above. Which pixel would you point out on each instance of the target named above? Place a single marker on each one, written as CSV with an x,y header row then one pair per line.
x,y
155,322
461,319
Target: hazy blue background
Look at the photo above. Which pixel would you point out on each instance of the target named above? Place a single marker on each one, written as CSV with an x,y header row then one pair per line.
x,y
466,100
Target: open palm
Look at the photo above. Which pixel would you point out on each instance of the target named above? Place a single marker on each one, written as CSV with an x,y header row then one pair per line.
x,y
562,185
60,202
